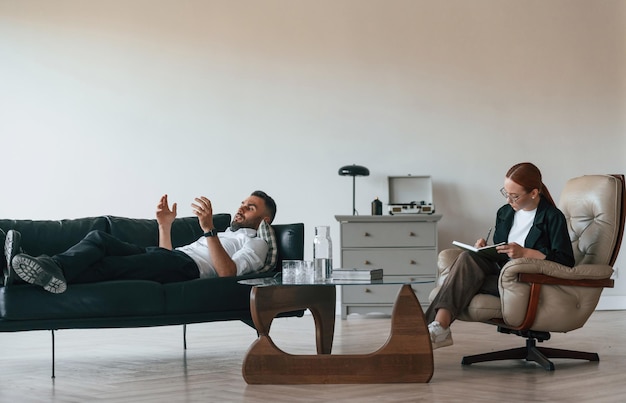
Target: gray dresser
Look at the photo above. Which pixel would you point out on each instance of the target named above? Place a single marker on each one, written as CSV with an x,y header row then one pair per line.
x,y
403,245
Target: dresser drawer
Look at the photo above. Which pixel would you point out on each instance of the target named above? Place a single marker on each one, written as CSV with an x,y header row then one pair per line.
x,y
382,294
385,234
393,261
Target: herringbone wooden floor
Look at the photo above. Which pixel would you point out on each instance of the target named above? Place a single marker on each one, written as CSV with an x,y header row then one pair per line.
x,y
150,365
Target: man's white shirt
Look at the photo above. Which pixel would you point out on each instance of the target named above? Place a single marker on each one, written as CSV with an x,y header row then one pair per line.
x,y
244,248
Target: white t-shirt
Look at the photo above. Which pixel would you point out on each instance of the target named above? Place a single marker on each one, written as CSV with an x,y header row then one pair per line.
x,y
244,248
522,222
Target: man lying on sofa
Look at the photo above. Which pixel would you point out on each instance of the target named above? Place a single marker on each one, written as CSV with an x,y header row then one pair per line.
x,y
101,257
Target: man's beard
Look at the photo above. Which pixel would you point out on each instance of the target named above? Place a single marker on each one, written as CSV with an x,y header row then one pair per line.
x,y
234,225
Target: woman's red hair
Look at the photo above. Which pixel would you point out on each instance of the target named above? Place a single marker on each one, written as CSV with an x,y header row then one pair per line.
x,y
528,176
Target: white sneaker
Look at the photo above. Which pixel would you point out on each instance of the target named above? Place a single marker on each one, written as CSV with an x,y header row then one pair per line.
x,y
439,337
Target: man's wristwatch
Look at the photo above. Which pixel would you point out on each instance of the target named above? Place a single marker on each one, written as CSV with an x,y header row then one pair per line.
x,y
209,233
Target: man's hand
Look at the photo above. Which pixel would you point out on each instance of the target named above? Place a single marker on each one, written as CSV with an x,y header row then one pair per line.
x,y
203,209
165,217
222,262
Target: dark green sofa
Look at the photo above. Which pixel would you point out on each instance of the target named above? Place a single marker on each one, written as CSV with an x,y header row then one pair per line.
x,y
116,304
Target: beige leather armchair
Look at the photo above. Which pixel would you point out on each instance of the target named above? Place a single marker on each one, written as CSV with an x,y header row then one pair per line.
x,y
537,296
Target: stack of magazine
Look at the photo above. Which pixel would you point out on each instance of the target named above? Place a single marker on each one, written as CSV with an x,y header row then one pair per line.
x,y
357,274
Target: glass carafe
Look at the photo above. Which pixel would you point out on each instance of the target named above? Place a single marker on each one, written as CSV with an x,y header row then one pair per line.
x,y
323,252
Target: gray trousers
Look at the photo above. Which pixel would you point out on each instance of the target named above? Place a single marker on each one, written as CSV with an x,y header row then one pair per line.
x,y
469,275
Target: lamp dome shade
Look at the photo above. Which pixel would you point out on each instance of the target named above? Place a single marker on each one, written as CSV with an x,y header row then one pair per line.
x,y
354,170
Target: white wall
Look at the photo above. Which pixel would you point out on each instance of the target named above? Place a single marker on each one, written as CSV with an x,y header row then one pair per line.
x,y
105,105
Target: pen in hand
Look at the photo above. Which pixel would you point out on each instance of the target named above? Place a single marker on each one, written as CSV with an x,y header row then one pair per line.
x,y
488,234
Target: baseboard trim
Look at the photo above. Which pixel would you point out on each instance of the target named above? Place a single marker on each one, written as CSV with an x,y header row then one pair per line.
x,y
611,303
606,303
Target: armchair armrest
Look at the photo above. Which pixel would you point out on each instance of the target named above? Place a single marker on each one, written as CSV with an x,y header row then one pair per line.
x,y
445,258
538,279
570,293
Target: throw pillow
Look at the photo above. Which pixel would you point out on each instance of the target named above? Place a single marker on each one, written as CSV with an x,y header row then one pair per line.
x,y
266,232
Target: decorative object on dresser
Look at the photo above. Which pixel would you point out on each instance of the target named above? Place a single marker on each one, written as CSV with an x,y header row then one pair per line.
x,y
410,195
354,171
405,245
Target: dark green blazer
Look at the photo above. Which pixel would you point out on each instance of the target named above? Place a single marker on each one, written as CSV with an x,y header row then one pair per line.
x,y
548,234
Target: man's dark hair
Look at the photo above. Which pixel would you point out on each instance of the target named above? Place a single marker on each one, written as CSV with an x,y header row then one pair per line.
x,y
270,204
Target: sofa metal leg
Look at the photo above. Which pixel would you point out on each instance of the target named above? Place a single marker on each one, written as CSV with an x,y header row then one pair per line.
x,y
52,331
185,336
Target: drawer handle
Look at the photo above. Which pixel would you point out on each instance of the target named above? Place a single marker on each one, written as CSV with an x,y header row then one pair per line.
x,y
368,290
412,262
412,233
366,234
367,262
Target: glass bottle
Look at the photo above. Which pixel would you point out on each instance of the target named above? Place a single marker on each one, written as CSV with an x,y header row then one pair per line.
x,y
323,252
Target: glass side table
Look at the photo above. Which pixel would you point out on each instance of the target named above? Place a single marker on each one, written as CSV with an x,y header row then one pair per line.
x,y
407,355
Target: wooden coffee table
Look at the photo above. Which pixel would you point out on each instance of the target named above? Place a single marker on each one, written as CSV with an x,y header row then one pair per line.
x,y
406,356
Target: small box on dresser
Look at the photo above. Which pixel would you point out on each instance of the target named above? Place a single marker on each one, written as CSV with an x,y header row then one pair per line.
x,y
404,246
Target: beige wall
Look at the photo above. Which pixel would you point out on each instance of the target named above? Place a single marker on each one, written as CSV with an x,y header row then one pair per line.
x,y
105,105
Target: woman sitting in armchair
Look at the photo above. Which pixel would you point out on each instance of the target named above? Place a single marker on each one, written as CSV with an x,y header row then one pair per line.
x,y
529,225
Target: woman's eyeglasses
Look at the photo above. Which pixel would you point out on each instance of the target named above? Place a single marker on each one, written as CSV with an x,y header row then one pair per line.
x,y
512,197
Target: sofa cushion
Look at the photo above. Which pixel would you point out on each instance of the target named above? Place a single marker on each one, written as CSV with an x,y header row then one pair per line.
x,y
106,299
209,295
290,238
50,237
145,231
266,233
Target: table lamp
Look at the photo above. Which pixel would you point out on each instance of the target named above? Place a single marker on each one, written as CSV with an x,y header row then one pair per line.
x,y
353,171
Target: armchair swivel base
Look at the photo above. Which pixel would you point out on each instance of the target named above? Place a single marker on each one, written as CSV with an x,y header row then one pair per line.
x,y
531,352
